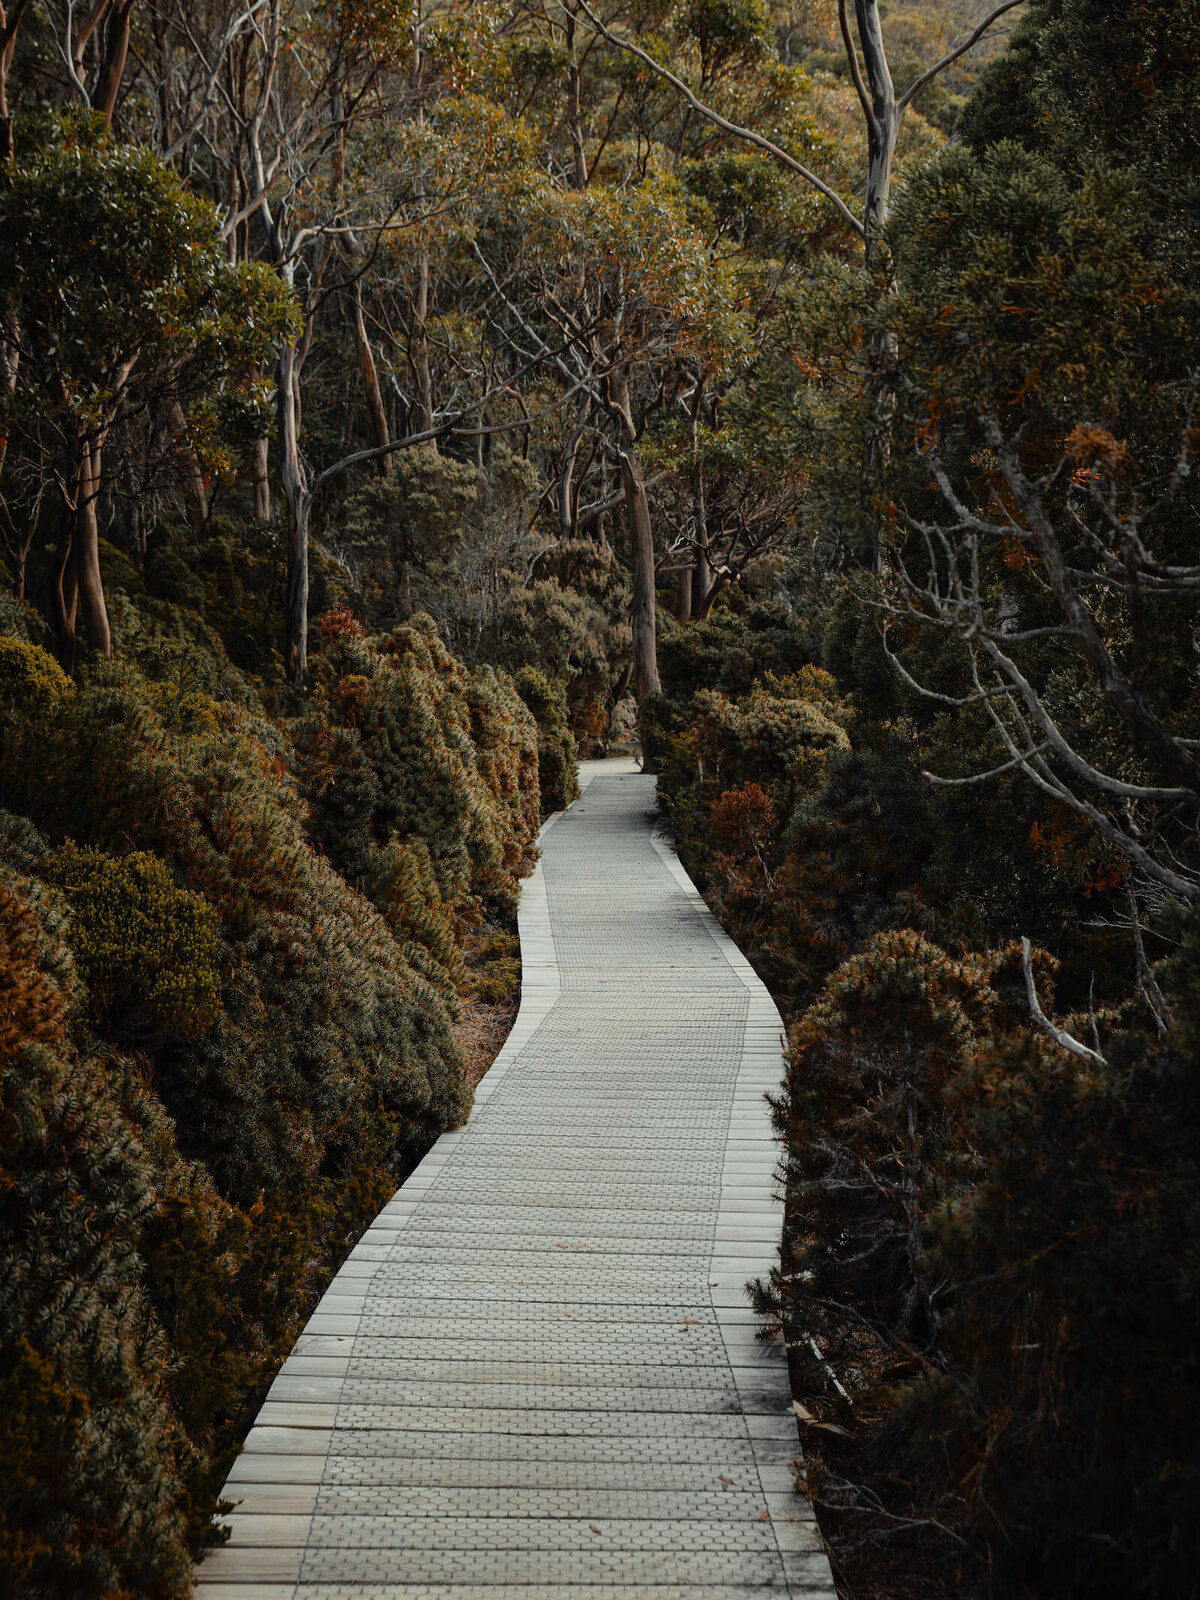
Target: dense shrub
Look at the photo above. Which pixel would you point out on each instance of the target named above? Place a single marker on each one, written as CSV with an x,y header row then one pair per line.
x,y
558,767
421,782
91,1452
982,1287
145,950
241,1054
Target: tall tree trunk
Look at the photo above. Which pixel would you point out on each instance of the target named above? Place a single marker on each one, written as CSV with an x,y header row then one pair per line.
x,y
703,594
568,500
641,543
195,490
294,482
262,480
574,126
10,21
424,409
10,363
366,360
683,603
64,595
86,551
882,125
420,338
115,50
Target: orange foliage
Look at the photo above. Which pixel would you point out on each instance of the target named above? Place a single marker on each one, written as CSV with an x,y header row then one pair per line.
x,y
743,821
1095,450
1073,847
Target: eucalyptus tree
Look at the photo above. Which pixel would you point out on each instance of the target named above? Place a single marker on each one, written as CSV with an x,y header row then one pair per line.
x,y
122,298
871,74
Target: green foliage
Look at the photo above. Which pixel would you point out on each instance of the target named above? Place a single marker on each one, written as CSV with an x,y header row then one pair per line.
x,y
145,950
865,1121
112,265
34,693
725,31
292,1062
421,781
398,525
92,1485
1072,1314
558,768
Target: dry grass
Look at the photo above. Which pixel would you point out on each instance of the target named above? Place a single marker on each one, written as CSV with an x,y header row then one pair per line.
x,y
482,1032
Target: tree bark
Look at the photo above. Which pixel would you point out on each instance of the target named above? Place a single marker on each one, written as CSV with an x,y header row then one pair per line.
x,y
112,67
882,125
294,483
568,499
421,344
64,595
10,21
370,374
262,480
195,490
86,551
574,125
641,541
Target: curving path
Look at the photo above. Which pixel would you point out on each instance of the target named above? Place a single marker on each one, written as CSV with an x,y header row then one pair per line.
x,y
537,1373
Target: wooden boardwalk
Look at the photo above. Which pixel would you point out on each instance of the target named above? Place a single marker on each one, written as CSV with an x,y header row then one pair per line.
x,y
537,1375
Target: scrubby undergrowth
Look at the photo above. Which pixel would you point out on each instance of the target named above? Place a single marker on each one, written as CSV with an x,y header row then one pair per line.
x,y
240,958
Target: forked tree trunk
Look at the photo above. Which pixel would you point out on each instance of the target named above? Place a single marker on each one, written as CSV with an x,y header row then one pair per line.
x,y
370,372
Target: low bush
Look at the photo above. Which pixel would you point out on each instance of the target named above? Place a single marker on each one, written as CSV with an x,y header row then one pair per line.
x,y
220,1052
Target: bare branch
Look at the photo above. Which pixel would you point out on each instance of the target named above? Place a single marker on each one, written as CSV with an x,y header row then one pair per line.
x,y
738,132
1061,1038
931,72
855,68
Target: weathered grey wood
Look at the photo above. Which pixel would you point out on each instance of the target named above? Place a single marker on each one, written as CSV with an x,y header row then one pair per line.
x,y
538,1370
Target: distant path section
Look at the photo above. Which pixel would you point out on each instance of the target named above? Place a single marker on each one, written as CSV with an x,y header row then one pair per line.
x,y
537,1374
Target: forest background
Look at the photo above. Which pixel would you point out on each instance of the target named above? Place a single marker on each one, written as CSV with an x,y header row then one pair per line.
x,y
834,420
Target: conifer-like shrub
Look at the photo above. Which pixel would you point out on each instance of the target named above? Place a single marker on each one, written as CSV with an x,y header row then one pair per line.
x,y
776,736
870,1142
145,949
558,765
225,1052
34,693
421,781
92,1500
